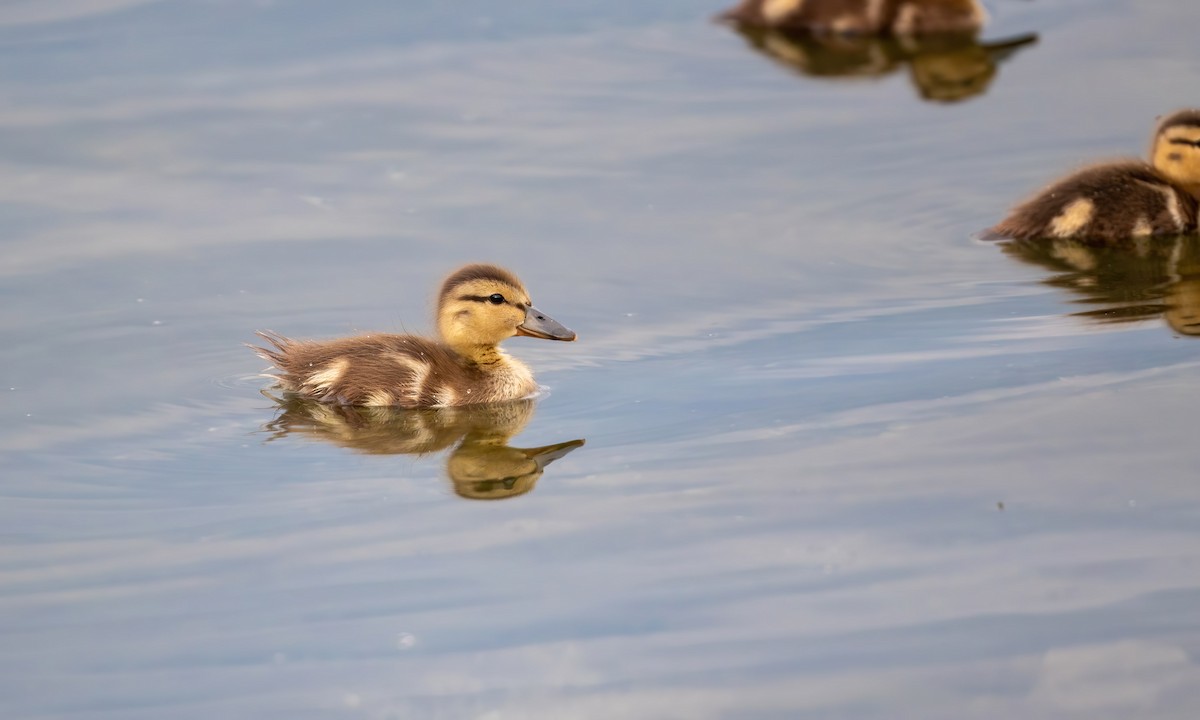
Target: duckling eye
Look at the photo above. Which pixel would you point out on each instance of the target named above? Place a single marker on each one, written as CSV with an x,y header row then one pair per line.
x,y
496,299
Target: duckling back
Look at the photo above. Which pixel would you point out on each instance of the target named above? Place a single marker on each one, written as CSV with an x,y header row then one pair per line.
x,y
1106,203
861,17
393,371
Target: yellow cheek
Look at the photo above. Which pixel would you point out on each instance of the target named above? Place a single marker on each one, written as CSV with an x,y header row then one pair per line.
x,y
1179,162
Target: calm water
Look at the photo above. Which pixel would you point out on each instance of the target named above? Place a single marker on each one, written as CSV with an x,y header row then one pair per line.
x,y
841,460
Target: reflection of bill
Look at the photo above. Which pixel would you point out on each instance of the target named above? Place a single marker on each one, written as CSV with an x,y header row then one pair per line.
x,y
944,68
481,463
1140,279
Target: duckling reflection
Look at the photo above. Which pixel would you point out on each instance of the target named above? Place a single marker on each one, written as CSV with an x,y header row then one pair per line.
x,y
1125,282
942,67
481,464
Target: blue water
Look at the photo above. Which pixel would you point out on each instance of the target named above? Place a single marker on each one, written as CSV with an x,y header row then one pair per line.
x,y
842,459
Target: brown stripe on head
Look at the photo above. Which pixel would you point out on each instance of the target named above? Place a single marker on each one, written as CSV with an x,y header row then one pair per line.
x,y
471,273
1187,116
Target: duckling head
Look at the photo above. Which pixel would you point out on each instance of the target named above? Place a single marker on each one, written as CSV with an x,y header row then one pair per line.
x,y
1176,151
480,306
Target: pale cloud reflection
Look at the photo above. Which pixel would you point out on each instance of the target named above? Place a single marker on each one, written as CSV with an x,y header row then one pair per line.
x,y
834,595
237,157
900,414
36,12
1133,676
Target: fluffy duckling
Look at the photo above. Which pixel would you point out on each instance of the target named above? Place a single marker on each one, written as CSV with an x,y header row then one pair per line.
x,y
1121,200
860,17
479,306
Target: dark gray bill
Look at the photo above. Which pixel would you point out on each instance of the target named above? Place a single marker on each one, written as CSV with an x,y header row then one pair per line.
x,y
540,325
547,454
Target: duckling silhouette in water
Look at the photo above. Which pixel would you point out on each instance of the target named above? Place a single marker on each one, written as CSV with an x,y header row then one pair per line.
x,y
481,464
944,67
1133,281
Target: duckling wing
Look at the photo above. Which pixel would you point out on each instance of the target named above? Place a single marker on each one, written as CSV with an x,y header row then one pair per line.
x,y
1107,202
373,370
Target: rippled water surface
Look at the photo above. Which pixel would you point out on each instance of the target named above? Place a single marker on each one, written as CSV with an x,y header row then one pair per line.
x,y
839,458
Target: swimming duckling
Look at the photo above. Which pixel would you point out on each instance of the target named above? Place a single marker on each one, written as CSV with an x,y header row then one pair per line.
x,y
860,17
1124,199
479,306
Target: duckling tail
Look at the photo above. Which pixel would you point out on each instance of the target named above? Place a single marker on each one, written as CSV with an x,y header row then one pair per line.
x,y
279,343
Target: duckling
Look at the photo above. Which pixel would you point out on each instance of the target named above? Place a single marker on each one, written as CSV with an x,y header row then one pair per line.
x,y
478,307
860,17
1120,200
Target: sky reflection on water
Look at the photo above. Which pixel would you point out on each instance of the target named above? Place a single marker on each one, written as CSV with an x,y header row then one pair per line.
x,y
841,458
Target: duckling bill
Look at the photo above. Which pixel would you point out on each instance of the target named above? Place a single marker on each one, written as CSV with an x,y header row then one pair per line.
x,y
1121,200
479,306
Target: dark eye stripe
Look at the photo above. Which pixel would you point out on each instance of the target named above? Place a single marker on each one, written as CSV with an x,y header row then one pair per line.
x,y
1184,141
484,299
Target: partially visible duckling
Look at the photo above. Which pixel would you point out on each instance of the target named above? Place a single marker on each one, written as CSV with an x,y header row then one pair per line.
x,y
860,17
1124,199
479,306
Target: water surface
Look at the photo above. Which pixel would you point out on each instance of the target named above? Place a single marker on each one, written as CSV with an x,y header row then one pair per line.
x,y
841,459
